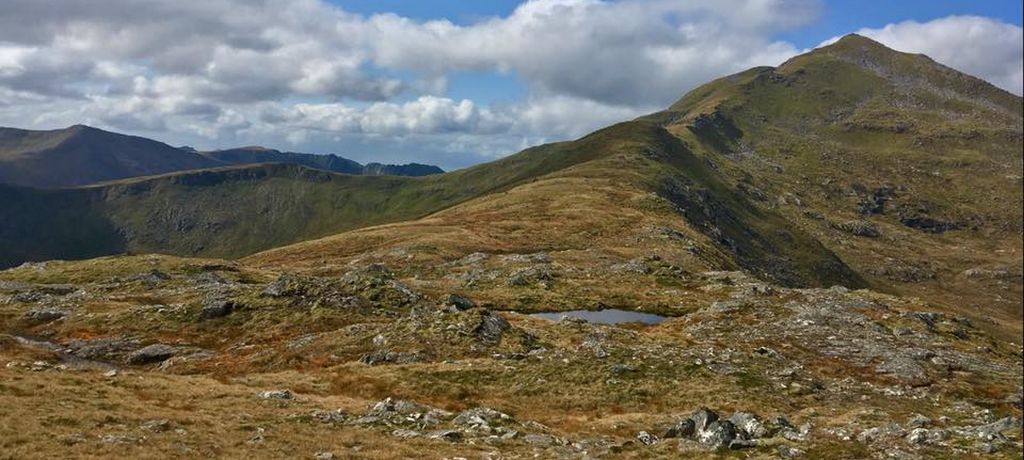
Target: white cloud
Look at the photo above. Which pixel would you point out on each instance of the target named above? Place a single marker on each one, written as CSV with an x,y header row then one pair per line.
x,y
983,47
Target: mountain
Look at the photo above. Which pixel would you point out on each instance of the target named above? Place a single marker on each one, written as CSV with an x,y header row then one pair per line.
x,y
815,260
82,155
328,162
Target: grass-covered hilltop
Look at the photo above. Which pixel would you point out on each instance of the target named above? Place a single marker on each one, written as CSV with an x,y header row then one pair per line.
x,y
828,253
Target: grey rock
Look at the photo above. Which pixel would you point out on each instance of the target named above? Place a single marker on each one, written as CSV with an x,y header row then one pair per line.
x,y
479,417
595,344
737,444
540,440
537,257
152,354
993,431
638,266
646,438
702,418
45,315
120,439
276,394
459,302
919,421
447,435
217,309
918,436
405,434
860,228
209,278
286,285
718,433
748,424
789,452
541,274
491,327
621,369
332,417
324,455
684,428
389,407
101,349
158,425
390,357
150,277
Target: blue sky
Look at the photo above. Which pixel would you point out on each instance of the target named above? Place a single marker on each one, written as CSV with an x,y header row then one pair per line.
x,y
447,82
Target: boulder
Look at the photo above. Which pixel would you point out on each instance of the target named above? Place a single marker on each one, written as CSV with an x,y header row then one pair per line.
x,y
44,315
217,309
459,302
491,328
152,354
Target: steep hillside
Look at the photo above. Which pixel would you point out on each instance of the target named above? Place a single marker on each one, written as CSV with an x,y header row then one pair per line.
x,y
82,155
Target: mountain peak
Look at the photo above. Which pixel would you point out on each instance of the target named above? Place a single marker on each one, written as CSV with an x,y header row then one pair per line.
x,y
853,39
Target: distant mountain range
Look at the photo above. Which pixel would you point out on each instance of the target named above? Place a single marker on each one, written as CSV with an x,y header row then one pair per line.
x,y
81,155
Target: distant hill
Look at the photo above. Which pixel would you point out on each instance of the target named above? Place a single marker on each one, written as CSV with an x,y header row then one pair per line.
x,y
82,155
328,162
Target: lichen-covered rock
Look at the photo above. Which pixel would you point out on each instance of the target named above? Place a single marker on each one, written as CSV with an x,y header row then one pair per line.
x,y
490,328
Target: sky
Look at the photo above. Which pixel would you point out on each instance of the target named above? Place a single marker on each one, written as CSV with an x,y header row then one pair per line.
x,y
446,82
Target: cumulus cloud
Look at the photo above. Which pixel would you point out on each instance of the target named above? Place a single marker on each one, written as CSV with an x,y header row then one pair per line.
x,y
308,73
626,52
425,115
983,47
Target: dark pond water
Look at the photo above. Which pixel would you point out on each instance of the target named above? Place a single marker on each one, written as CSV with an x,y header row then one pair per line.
x,y
608,316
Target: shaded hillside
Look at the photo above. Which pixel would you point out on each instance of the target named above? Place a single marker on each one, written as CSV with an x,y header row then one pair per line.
x,y
82,155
